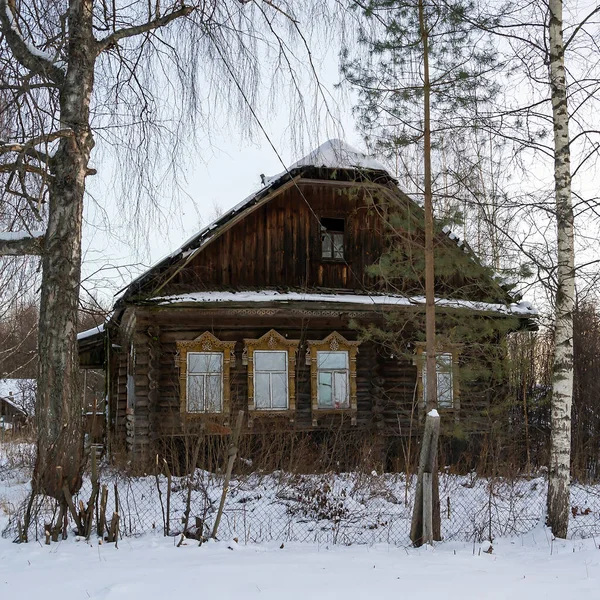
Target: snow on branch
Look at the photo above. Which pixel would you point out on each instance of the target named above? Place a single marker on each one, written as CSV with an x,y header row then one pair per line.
x,y
127,32
29,147
21,243
32,58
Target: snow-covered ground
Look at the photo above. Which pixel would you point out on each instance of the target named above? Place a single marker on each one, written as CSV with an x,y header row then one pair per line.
x,y
151,566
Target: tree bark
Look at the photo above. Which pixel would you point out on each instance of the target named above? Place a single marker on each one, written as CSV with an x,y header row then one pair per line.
x,y
562,385
59,411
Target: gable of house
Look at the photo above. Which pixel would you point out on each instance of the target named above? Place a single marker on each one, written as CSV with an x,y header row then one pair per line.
x,y
321,226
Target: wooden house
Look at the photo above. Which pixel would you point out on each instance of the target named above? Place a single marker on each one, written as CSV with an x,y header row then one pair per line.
x,y
17,400
262,311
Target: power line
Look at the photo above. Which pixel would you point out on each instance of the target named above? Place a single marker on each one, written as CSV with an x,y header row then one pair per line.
x,y
286,169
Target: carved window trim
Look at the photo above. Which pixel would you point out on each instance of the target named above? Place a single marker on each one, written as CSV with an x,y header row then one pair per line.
x,y
206,342
272,340
333,342
454,351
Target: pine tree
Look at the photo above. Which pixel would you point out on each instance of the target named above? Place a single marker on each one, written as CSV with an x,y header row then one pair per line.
x,y
427,76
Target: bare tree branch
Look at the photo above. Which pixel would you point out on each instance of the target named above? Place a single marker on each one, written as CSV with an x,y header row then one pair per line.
x,y
20,166
29,56
21,244
111,40
580,25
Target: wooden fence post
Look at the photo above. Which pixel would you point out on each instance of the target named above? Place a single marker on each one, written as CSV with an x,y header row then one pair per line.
x,y
232,453
168,523
422,526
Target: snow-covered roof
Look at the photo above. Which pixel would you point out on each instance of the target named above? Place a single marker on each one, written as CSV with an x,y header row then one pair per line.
x,y
12,389
521,309
90,332
333,154
337,154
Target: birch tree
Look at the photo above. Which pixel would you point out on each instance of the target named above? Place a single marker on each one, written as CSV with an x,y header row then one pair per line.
x,y
540,122
562,384
71,73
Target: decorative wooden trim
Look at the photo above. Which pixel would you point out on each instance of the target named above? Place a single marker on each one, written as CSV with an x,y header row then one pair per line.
x,y
271,341
271,312
454,350
334,342
206,342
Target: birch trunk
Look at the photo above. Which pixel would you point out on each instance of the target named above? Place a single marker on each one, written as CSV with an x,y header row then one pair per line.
x,y
59,412
562,385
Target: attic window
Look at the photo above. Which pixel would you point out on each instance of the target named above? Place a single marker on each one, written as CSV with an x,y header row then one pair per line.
x,y
332,238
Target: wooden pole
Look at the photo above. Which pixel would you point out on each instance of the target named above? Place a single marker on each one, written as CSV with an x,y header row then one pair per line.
x,y
427,508
102,516
428,458
232,453
427,471
168,523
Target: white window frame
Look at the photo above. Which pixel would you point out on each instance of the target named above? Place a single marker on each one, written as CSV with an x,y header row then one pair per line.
x,y
328,241
439,370
204,375
345,371
272,372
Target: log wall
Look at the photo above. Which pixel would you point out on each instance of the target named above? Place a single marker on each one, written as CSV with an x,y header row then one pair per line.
x,y
386,385
279,245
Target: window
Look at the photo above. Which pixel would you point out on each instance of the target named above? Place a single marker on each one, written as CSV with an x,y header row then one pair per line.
x,y
204,366
333,376
204,382
271,361
332,239
271,379
333,379
445,378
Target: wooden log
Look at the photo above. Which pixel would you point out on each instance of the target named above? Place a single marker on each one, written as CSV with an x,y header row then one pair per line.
x,y
89,512
113,531
168,516
427,508
59,523
74,514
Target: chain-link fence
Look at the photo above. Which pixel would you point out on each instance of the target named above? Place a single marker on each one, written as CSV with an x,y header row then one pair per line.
x,y
350,508
330,508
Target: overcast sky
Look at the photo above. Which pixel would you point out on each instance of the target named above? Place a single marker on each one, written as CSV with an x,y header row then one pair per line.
x,y
221,171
